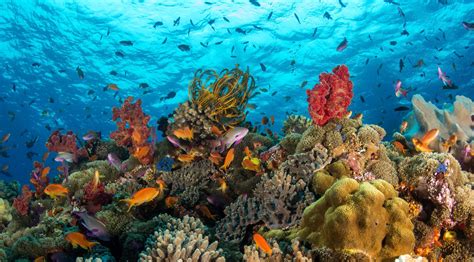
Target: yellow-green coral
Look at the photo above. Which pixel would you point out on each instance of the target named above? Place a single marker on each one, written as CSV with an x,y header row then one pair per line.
x,y
367,216
5,211
312,136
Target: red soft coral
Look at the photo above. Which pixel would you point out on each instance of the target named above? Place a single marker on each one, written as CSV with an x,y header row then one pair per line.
x,y
22,203
133,131
331,97
39,178
95,196
58,142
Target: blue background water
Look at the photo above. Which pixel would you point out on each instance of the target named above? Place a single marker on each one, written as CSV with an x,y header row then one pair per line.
x,y
62,35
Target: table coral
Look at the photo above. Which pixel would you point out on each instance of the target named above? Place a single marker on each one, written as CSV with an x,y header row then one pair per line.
x,y
331,97
133,131
367,216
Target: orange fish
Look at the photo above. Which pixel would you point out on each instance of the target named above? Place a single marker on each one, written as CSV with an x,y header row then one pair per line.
x,y
223,185
171,201
419,146
45,156
185,133
137,137
78,239
206,212
272,119
55,190
247,151
358,117
429,136
399,146
228,159
403,126
141,151
264,120
6,137
215,158
113,87
161,184
251,163
186,158
216,131
450,142
262,243
141,197
40,259
95,180
45,171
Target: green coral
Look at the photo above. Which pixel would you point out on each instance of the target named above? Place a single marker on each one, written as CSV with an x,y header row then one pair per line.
x,y
5,212
290,142
312,136
9,190
367,216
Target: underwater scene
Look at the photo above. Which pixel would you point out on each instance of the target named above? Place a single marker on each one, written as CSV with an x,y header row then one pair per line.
x,y
236,130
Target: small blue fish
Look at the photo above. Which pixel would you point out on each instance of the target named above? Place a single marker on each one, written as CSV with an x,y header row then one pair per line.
x,y
442,167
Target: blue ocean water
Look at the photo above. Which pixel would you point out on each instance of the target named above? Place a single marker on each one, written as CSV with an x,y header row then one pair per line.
x,y
42,43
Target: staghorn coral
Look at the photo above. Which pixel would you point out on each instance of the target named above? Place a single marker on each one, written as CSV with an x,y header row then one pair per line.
x,y
133,131
367,216
226,94
296,124
331,97
189,181
294,253
181,240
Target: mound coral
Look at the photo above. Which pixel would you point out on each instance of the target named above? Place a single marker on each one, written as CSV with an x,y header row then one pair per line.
x,y
9,190
367,216
226,94
181,240
331,97
133,131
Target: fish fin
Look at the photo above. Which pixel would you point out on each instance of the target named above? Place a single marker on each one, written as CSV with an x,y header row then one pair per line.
x,y
129,203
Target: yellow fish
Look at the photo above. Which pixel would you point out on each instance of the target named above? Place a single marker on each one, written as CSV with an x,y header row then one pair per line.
x,y
78,239
430,136
251,163
185,133
55,190
449,236
228,159
186,158
142,196
223,185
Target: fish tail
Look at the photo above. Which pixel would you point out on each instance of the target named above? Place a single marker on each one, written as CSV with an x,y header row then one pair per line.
x,y
129,203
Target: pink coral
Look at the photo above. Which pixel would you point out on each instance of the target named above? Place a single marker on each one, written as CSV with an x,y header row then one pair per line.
x,y
58,142
22,203
133,131
331,97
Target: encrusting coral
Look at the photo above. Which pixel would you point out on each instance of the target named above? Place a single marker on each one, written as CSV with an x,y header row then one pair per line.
x,y
181,240
367,216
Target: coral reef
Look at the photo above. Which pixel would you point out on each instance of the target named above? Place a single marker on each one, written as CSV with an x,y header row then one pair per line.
x,y
331,97
58,142
296,124
9,190
293,252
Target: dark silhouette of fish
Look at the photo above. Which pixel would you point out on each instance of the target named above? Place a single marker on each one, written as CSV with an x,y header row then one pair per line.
x,y
401,108
113,72
225,19
342,4
314,31
119,54
264,68
297,18
159,23
168,96
126,43
327,16
176,22
184,47
269,15
240,31
467,25
164,41
401,65
342,45
254,2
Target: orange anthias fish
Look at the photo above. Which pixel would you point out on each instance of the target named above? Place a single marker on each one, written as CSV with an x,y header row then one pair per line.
x,y
55,190
264,120
206,212
222,185
142,196
247,151
430,136
272,119
113,87
399,146
215,158
171,201
262,243
403,127
5,137
186,158
216,131
45,156
161,184
185,133
450,142
228,159
45,171
141,151
419,146
78,239
95,180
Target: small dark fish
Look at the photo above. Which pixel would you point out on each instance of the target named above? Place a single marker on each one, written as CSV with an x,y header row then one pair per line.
x,y
257,27
393,42
35,64
342,4
31,143
297,18
126,43
228,31
271,13
164,41
191,22
143,85
218,43
362,99
467,25
264,68
366,61
189,30
342,45
404,32
30,155
400,12
293,62
287,98
401,65
452,86
13,87
204,45
314,31
212,21
458,55
90,92
119,54
208,3
159,23
240,30
168,96
401,108
391,2
245,42
327,15
274,93
108,31
303,84
254,2
61,70
232,50
184,47
80,73
443,2
51,100
113,72
378,69
225,19
32,101
370,37
176,22
454,66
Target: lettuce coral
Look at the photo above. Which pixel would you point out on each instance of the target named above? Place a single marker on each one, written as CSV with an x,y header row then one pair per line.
x,y
367,216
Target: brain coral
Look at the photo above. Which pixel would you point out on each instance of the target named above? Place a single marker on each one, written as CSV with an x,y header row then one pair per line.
x,y
367,216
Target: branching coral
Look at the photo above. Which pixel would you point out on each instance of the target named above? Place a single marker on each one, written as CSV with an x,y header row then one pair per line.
x,y
331,97
226,94
181,240
39,178
367,216
133,131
